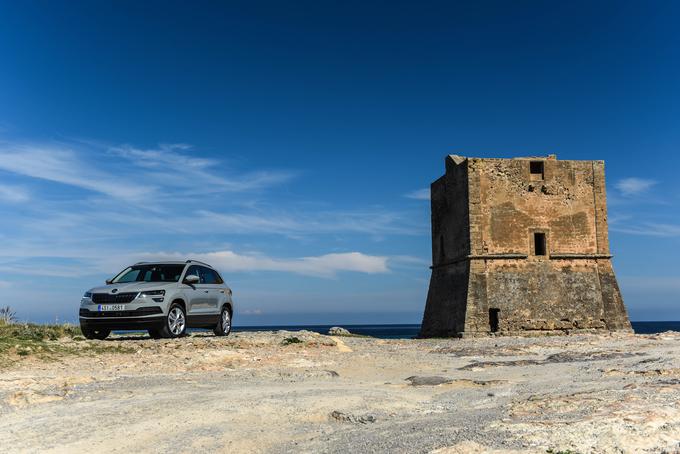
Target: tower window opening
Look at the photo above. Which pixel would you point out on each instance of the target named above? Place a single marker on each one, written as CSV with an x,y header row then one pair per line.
x,y
536,169
539,243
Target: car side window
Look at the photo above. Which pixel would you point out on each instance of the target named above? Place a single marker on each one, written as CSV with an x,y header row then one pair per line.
x,y
209,276
201,274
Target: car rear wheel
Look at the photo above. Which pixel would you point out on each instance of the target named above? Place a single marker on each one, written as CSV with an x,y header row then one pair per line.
x,y
223,327
175,323
100,334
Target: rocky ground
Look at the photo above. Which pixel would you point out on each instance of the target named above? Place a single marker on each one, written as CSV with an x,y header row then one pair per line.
x,y
304,392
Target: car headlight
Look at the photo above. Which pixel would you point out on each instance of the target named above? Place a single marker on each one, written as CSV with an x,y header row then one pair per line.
x,y
157,295
87,295
151,293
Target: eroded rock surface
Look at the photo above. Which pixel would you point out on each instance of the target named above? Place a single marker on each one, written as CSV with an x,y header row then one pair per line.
x,y
253,392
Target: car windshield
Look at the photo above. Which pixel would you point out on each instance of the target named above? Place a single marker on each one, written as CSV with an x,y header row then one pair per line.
x,y
149,273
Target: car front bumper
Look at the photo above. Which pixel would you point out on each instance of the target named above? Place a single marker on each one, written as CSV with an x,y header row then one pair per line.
x,y
140,318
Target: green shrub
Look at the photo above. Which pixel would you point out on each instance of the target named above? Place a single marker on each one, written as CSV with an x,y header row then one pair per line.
x,y
291,340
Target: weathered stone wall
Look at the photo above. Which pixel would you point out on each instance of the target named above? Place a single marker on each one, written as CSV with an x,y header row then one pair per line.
x,y
563,205
539,295
484,216
446,301
450,219
616,316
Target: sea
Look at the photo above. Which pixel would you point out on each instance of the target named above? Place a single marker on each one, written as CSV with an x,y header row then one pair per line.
x,y
409,331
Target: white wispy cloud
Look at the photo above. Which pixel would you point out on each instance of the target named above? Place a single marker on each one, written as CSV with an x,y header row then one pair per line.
x,y
181,165
80,263
319,222
132,174
49,270
65,166
327,265
13,194
128,199
652,283
420,194
648,229
634,186
159,188
409,261
252,312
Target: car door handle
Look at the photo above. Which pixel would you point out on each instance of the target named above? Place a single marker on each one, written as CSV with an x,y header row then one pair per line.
x,y
221,291
207,291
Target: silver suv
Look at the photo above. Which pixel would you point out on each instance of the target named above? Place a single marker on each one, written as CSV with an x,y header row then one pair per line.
x,y
164,298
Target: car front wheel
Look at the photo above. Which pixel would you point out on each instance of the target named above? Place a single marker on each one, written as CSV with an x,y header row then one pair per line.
x,y
175,323
223,327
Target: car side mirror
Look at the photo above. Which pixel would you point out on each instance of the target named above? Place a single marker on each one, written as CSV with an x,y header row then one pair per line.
x,y
191,279
109,281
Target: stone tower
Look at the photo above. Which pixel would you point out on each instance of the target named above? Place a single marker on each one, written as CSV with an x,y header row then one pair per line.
x,y
520,246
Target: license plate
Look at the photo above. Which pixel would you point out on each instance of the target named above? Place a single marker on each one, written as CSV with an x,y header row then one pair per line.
x,y
111,307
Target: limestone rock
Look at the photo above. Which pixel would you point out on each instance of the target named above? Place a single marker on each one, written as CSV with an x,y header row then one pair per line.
x,y
338,331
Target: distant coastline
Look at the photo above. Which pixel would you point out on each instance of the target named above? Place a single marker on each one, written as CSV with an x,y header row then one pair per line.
x,y
408,331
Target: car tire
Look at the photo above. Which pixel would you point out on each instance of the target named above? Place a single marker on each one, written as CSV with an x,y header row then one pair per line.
x,y
154,334
175,322
223,327
99,334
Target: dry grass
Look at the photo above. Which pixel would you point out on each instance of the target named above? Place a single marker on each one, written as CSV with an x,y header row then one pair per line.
x,y
19,341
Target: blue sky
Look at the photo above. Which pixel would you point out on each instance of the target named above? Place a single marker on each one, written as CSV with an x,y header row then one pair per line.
x,y
289,143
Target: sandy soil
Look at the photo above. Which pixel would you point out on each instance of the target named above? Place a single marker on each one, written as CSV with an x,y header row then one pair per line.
x,y
252,392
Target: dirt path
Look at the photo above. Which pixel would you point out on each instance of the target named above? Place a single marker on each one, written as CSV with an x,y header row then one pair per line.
x,y
262,392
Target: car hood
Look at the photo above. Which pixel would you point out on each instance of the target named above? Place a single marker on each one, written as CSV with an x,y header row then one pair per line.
x,y
132,287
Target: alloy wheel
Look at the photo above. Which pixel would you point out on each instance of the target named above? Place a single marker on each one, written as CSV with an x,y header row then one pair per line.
x,y
176,321
226,321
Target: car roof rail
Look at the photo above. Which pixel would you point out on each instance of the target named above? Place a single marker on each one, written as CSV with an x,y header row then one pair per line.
x,y
141,263
196,261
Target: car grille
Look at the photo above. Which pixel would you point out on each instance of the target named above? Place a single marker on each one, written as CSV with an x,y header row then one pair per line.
x,y
115,298
137,313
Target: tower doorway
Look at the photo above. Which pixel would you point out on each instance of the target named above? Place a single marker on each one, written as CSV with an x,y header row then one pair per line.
x,y
494,319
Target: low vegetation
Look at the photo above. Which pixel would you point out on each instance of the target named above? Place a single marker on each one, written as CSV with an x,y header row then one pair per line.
x,y
20,341
7,315
291,340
